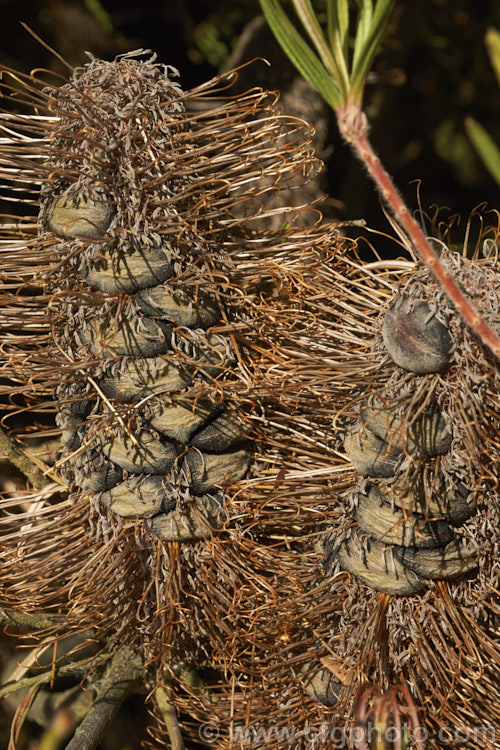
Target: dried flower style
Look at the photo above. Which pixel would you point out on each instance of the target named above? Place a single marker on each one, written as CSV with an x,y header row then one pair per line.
x,y
267,496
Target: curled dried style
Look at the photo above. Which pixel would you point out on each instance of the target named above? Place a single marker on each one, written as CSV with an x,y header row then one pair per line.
x,y
208,381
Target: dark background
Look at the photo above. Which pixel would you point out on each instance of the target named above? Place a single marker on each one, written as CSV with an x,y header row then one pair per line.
x,y
432,73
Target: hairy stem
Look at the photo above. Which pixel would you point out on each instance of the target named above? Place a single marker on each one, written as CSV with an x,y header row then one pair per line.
x,y
122,676
353,127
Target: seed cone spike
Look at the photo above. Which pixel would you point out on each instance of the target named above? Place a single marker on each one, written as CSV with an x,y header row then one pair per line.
x,y
347,346
297,355
121,209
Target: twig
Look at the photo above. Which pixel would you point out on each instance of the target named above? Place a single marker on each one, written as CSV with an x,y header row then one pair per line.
x,y
33,621
77,669
22,462
354,127
124,673
169,716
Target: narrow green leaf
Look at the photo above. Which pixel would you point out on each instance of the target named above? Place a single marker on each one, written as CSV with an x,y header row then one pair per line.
x,y
343,16
362,64
301,55
338,24
333,60
362,29
485,146
493,45
307,15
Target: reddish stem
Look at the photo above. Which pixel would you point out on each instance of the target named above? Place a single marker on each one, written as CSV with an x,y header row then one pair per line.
x,y
354,127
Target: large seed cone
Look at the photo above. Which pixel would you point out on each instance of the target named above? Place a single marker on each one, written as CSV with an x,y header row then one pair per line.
x,y
164,376
443,427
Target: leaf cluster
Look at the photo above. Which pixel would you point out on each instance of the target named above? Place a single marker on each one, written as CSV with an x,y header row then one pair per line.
x,y
335,63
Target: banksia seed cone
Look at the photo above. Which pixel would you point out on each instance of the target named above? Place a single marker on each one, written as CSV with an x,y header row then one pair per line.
x,y
121,313
422,434
274,452
407,564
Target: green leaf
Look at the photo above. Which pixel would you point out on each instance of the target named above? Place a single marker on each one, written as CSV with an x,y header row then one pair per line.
x,y
493,45
367,51
362,30
307,15
338,29
299,52
338,20
485,146
329,72
343,16
333,60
